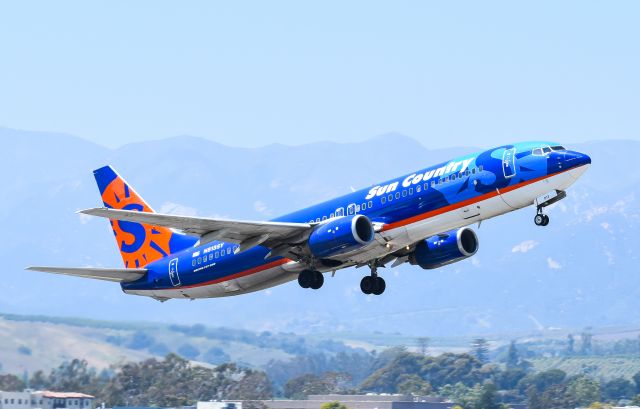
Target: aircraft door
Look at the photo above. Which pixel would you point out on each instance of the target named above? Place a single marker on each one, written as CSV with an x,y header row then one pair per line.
x,y
173,272
509,163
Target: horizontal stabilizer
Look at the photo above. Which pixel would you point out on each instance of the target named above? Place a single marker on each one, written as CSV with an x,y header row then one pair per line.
x,y
120,275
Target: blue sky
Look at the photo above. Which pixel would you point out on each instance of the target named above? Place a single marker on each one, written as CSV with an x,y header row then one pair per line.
x,y
254,73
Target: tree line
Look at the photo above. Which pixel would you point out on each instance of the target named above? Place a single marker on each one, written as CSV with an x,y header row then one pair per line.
x,y
470,379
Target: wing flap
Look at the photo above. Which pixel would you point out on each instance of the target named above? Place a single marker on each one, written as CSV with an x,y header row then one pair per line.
x,y
120,275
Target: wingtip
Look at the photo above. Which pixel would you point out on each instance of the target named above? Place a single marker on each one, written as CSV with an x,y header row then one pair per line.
x,y
89,211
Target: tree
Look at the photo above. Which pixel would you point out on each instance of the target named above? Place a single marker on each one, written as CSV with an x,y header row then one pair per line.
x,y
140,340
571,345
555,396
480,349
618,388
513,359
488,397
333,405
423,344
533,399
11,383
584,390
74,376
586,348
174,382
413,385
508,379
636,380
309,384
438,371
188,351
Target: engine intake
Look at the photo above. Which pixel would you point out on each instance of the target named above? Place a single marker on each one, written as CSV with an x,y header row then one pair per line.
x,y
445,248
342,235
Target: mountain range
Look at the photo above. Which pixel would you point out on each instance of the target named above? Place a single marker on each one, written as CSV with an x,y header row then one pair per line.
x,y
580,271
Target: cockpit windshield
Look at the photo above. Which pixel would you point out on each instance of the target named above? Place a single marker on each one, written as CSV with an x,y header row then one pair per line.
x,y
545,149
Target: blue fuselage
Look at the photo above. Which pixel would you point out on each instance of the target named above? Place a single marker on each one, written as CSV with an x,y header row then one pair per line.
x,y
412,198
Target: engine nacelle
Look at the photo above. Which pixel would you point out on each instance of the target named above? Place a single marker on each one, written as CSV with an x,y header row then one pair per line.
x,y
342,235
445,248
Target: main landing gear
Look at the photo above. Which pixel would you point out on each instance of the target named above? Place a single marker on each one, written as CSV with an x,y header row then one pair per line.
x,y
310,279
541,219
373,284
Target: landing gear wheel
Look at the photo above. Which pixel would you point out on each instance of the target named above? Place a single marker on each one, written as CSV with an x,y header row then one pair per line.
x,y
545,220
539,219
305,278
367,284
318,280
379,286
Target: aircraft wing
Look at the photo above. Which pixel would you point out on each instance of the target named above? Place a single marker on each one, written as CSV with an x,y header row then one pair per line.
x,y
247,234
108,274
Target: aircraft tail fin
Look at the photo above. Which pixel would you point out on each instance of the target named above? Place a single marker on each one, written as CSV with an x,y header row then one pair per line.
x,y
139,243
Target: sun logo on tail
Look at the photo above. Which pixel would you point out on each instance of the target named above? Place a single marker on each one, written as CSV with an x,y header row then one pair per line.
x,y
139,244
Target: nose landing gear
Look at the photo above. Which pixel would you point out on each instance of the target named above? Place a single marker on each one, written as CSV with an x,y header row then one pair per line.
x,y
541,219
543,201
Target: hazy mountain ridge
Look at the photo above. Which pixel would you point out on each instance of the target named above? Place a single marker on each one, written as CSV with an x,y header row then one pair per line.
x,y
581,270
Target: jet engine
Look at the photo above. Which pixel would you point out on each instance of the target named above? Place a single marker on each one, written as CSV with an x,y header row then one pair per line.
x,y
341,235
445,248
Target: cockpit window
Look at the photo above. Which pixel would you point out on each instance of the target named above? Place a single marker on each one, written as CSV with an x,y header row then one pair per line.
x,y
546,149
558,148
537,152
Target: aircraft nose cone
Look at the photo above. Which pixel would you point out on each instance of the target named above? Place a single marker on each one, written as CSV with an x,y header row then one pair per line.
x,y
583,159
573,159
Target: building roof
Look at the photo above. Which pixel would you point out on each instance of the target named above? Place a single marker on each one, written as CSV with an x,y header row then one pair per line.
x,y
64,395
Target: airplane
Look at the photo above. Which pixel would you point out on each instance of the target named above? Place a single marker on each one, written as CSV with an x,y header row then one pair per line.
x,y
421,218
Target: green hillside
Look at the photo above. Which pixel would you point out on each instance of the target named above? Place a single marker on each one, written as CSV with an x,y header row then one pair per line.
x,y
29,343
605,367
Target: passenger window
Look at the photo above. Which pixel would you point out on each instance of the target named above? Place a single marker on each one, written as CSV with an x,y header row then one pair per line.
x,y
411,190
211,256
318,220
404,193
481,168
453,177
370,204
222,253
383,200
390,197
467,172
217,254
426,186
433,183
199,260
417,189
363,206
397,195
228,250
324,218
331,215
193,262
